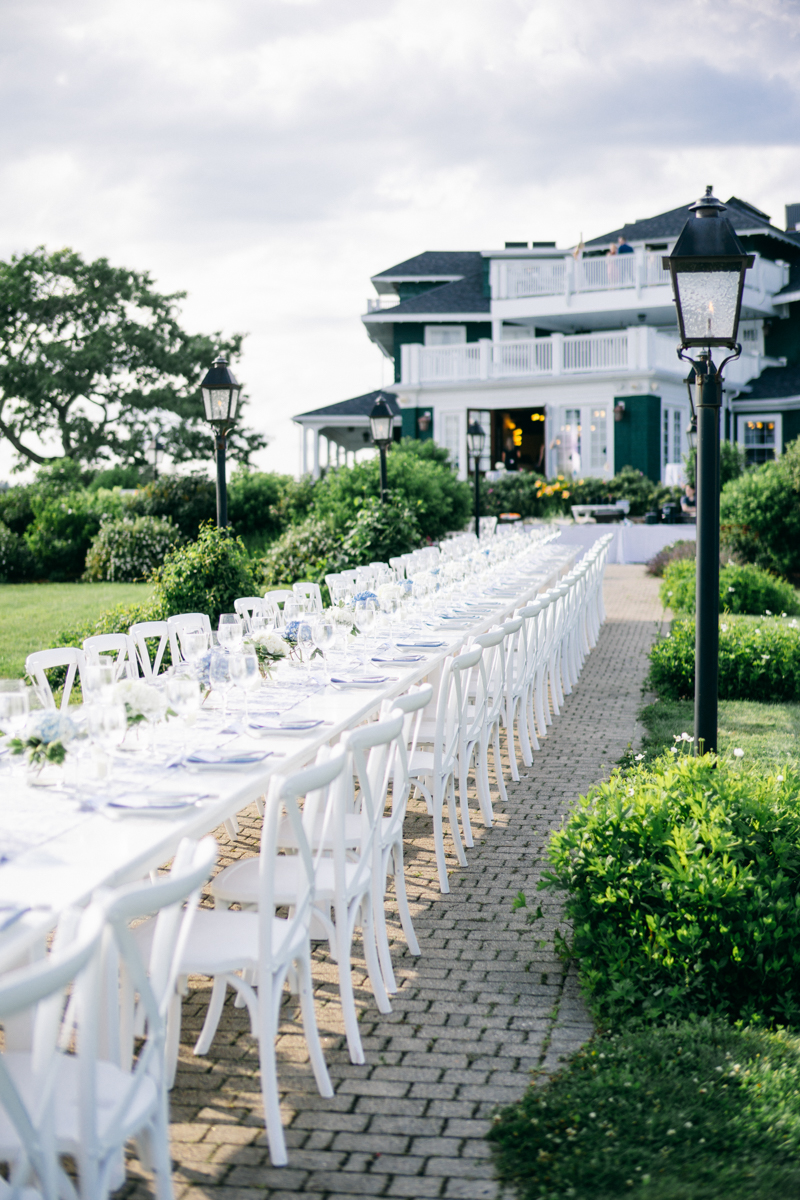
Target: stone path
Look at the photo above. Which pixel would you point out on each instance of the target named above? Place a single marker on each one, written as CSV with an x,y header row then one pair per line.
x,y
485,1003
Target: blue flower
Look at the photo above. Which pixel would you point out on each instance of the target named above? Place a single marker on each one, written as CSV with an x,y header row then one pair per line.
x,y
48,726
290,632
203,669
365,596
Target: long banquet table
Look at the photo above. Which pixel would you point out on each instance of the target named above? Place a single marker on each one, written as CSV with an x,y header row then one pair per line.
x,y
69,853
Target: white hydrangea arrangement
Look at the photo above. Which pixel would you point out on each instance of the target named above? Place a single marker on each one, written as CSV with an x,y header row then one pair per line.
x,y
142,702
269,648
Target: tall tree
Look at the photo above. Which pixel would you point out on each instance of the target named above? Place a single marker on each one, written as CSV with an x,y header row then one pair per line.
x,y
94,359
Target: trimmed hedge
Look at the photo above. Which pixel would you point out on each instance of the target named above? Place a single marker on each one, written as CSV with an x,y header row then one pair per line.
x,y
759,659
682,883
129,549
742,589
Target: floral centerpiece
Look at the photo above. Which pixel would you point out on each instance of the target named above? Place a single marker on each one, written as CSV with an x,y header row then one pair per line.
x,y
269,647
142,702
44,740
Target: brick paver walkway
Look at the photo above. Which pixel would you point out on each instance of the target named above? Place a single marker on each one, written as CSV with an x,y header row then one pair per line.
x,y
486,1002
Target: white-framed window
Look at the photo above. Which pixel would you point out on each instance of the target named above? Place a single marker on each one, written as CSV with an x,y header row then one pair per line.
x,y
450,437
760,436
484,419
672,436
445,335
598,440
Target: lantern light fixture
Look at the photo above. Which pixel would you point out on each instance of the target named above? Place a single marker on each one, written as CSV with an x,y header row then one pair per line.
x,y
221,391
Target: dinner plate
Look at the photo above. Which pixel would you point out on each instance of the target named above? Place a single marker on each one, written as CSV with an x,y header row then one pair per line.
x,y
361,681
221,760
154,802
419,645
296,728
404,658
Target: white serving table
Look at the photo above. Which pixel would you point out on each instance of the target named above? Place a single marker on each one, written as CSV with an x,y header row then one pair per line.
x,y
87,851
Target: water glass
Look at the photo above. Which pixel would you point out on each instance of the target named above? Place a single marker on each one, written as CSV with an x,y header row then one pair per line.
x,y
246,675
194,644
220,676
305,642
97,677
231,631
183,696
14,709
365,621
323,632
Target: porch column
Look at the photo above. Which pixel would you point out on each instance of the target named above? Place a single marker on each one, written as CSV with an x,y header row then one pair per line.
x,y
303,432
316,452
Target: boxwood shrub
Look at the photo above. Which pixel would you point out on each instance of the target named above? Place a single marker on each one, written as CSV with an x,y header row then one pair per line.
x,y
682,885
204,576
743,588
759,659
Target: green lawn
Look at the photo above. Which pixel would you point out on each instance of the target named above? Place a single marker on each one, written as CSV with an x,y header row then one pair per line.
x,y
31,614
768,733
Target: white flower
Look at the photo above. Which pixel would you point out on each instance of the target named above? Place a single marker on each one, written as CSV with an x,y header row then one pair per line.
x,y
779,779
639,757
724,628
630,793
139,698
270,641
730,589
738,753
389,591
767,612
686,737
673,750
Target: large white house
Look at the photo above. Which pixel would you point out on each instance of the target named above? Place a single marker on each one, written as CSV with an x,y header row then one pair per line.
x,y
567,357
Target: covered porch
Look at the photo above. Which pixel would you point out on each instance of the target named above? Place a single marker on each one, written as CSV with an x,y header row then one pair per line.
x,y
339,430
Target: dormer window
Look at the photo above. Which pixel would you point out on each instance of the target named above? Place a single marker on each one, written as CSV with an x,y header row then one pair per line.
x,y
445,335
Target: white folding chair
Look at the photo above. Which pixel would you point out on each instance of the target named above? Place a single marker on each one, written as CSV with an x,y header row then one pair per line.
x,y
121,644
272,600
249,606
433,771
310,592
514,716
344,878
108,1098
31,1080
493,668
41,661
183,623
230,946
390,838
143,632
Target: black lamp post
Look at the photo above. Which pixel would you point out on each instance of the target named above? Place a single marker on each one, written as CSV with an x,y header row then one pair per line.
x,y
476,440
381,423
220,400
707,266
157,448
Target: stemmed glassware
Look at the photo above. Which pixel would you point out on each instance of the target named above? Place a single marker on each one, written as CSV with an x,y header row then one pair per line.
x,y
183,696
365,621
246,676
194,644
305,643
220,676
96,677
323,632
14,707
231,631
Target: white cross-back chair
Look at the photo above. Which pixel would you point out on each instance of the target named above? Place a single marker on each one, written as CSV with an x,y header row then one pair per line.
x,y
144,632
236,946
390,840
120,644
30,1080
110,1096
272,600
184,623
433,770
249,606
41,661
344,877
493,667
310,592
514,717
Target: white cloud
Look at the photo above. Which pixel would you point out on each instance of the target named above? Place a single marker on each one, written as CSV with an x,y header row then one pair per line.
x,y
270,155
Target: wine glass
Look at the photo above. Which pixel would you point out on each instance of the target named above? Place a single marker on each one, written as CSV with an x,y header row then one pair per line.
x,y
107,724
97,676
194,644
183,696
14,708
323,632
365,621
231,631
220,676
246,675
305,643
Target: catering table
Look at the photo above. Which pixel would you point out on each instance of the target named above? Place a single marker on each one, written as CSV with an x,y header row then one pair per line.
x,y
57,855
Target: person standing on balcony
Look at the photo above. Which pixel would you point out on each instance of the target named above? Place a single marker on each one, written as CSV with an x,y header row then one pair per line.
x,y
622,247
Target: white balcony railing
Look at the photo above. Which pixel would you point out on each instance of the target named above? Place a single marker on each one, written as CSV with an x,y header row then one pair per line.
x,y
639,349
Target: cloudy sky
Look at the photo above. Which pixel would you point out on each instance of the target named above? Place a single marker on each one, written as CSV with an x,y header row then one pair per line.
x,y
268,156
